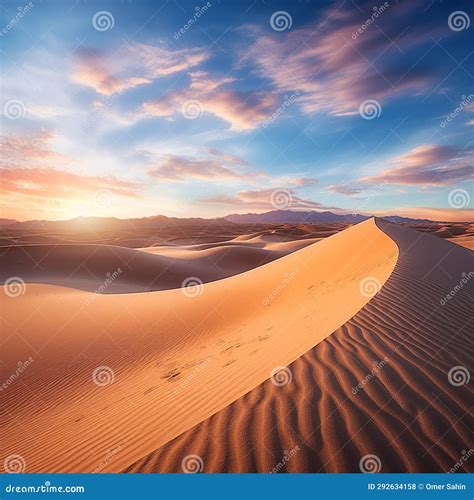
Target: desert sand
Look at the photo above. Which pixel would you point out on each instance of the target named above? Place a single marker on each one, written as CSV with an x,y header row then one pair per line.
x,y
407,414
132,371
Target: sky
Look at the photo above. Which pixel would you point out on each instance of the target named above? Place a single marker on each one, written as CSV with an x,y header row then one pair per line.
x,y
202,109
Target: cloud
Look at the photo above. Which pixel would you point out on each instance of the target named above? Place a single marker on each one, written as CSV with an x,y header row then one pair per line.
x,y
244,110
91,71
30,150
132,65
343,189
265,199
428,165
30,166
334,70
55,183
219,166
178,168
229,158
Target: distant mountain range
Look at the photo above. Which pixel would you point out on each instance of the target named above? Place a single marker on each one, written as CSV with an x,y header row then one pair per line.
x,y
310,217
155,222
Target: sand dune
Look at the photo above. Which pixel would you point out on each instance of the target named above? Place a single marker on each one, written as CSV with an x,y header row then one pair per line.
x,y
406,413
86,267
175,357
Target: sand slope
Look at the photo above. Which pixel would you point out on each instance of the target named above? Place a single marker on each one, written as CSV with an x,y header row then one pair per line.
x,y
407,412
86,267
175,359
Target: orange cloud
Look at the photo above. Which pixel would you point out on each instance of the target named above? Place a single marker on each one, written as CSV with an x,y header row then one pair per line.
x,y
30,177
61,184
30,150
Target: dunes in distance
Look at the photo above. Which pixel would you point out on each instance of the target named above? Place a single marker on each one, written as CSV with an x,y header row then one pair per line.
x,y
302,349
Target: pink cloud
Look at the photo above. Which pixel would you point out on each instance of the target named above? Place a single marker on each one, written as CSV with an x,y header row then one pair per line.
x,y
176,168
265,199
29,166
332,70
429,165
344,189
132,65
244,110
91,71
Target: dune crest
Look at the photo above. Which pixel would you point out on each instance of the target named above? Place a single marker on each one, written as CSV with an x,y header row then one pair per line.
x,y
165,361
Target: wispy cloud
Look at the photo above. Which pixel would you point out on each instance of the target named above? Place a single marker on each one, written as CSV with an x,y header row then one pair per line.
x,y
178,168
428,165
244,110
30,166
334,72
264,199
344,189
131,65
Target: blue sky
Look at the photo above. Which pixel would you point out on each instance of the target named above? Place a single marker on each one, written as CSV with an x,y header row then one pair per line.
x,y
129,109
